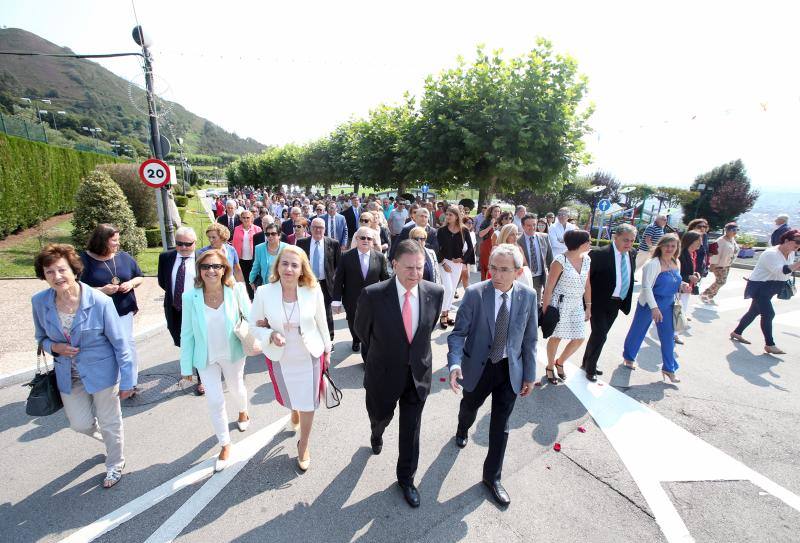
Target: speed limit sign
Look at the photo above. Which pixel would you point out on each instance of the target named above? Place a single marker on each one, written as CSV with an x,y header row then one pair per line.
x,y
154,173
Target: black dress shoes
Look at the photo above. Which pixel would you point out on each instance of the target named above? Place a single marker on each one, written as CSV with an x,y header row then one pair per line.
x,y
461,441
377,444
356,346
410,493
591,377
598,372
498,492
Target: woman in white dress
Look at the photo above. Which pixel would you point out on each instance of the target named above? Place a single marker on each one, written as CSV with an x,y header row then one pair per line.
x,y
293,330
569,290
510,234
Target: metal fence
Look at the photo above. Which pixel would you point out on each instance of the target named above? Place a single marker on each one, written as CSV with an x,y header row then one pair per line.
x,y
14,126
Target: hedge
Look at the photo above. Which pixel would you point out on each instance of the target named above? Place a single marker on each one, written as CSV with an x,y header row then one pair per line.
x,y
181,201
153,236
38,180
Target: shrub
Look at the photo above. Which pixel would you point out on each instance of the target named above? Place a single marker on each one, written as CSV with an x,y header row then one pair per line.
x,y
181,201
140,197
153,236
100,200
182,213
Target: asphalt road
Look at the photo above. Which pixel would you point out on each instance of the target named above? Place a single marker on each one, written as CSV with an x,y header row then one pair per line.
x,y
734,398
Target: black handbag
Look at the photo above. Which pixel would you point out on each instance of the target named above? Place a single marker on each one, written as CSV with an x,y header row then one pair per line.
x,y
788,290
44,398
548,321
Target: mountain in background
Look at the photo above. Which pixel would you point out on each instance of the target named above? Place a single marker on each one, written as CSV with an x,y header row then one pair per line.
x,y
93,96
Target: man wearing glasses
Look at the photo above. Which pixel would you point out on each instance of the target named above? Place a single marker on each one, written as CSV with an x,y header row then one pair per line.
x,y
176,271
359,267
323,254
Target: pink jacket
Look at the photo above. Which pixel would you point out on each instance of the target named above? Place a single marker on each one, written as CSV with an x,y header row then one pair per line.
x,y
238,236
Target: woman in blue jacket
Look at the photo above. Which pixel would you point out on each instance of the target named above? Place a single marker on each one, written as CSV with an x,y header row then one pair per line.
x,y
210,311
80,327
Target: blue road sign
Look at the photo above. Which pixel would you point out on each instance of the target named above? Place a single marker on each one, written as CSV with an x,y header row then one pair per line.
x,y
604,205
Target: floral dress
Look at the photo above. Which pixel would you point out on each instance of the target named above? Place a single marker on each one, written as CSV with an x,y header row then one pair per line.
x,y
568,297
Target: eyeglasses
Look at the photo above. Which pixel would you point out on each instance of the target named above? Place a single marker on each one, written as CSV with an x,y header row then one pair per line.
x,y
365,238
271,234
206,267
184,243
297,226
419,239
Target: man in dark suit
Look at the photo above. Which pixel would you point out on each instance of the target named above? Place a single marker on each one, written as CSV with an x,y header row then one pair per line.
x,y
336,226
422,219
351,217
287,226
395,319
611,279
323,254
358,268
176,271
536,247
492,350
230,219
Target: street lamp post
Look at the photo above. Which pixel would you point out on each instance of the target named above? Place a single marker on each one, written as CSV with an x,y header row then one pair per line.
x,y
143,40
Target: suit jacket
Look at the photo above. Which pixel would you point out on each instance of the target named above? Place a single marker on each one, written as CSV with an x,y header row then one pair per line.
x,y
348,281
471,339
331,253
603,276
352,223
166,261
268,304
194,330
379,324
545,253
340,231
105,356
223,220
287,227
431,243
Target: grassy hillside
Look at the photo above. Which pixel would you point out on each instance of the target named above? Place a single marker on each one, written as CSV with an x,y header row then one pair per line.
x,y
94,96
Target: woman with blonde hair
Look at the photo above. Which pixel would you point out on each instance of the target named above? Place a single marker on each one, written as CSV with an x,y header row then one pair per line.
x,y
218,235
510,234
210,311
295,339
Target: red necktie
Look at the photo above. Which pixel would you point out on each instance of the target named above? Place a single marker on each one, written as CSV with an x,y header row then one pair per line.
x,y
407,316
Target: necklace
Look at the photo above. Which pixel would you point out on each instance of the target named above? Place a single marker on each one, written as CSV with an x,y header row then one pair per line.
x,y
287,322
69,305
114,279
213,300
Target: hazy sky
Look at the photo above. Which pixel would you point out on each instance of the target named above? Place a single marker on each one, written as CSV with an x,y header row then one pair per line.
x,y
679,88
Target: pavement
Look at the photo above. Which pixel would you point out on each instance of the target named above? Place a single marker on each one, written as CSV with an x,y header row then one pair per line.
x,y
713,458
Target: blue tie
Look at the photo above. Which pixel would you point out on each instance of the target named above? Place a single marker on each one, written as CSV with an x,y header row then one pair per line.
x,y
315,260
625,276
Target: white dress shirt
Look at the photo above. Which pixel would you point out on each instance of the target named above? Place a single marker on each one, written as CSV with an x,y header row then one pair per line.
x,y
413,301
556,233
618,272
318,246
190,269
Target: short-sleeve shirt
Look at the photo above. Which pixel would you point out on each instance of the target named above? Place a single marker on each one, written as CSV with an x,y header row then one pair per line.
x,y
654,232
99,273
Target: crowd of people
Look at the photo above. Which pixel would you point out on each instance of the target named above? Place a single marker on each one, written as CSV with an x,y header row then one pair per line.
x,y
277,267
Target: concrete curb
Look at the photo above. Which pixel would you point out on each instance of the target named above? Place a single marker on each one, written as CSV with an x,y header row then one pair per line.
x,y
23,376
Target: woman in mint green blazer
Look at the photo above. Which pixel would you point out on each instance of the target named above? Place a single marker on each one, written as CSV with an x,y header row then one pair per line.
x,y
210,311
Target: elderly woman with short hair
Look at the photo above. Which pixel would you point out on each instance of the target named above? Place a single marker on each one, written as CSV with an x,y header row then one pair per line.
x,y
217,235
94,368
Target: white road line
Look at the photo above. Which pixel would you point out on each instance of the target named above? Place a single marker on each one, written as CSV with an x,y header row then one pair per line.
x,y
656,450
241,455
189,477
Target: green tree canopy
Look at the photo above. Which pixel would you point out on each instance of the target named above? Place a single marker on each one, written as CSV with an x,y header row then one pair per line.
x,y
726,195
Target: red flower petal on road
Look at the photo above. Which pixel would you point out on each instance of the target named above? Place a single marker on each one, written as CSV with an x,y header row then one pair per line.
x,y
442,379
557,447
581,429
537,384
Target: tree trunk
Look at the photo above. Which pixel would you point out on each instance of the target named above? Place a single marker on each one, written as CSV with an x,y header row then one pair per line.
x,y
356,186
401,187
485,193
327,185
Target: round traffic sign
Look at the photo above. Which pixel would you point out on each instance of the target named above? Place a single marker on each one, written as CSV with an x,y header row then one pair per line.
x,y
604,205
154,173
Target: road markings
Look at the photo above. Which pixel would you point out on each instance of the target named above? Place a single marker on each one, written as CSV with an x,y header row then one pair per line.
x,y
656,450
248,446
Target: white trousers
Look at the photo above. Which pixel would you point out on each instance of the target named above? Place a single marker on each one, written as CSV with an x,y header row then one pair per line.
x,y
450,282
127,328
98,412
215,398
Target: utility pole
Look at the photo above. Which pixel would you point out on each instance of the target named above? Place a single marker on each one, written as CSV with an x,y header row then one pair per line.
x,y
167,232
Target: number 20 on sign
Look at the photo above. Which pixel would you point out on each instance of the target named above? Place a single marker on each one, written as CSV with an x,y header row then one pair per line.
x,y
154,173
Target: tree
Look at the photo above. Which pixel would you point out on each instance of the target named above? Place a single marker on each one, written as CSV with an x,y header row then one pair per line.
x,y
500,125
601,179
140,196
726,195
542,203
100,200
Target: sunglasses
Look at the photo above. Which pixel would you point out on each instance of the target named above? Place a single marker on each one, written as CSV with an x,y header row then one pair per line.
x,y
364,238
419,239
365,221
297,226
184,243
206,267
271,234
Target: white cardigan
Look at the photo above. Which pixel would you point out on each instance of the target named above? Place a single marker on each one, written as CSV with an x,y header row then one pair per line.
x,y
268,304
650,272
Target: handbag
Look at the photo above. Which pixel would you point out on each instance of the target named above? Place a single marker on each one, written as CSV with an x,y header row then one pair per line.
x,y
44,398
679,322
333,395
548,321
788,289
250,345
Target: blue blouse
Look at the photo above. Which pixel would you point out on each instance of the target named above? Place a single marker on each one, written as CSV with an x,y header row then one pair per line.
x,y
99,273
